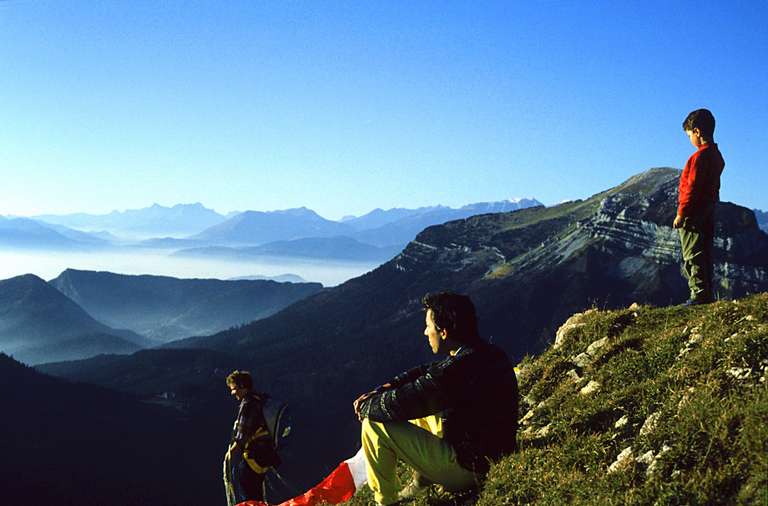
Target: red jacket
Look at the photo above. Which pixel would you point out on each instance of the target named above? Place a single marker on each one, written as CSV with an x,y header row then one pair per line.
x,y
700,182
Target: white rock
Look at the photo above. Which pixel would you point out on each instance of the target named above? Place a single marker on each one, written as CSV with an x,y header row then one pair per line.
x,y
740,373
622,460
634,306
650,424
544,431
654,465
621,422
592,348
646,458
524,420
562,333
570,324
581,360
592,387
573,376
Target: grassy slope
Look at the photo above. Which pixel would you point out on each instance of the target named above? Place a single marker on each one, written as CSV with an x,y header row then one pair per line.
x,y
699,372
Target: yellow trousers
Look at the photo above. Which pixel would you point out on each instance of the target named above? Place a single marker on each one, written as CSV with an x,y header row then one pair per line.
x,y
420,446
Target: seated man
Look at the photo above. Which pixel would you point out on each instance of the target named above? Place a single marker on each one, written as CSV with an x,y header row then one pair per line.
x,y
462,409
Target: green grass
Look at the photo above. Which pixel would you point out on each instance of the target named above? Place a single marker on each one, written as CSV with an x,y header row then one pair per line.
x,y
701,372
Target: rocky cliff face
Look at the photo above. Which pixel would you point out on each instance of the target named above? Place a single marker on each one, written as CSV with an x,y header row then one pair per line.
x,y
621,238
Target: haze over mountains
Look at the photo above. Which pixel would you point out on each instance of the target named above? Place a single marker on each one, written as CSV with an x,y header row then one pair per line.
x,y
338,248
25,233
179,220
180,241
526,270
185,226
164,308
81,314
38,323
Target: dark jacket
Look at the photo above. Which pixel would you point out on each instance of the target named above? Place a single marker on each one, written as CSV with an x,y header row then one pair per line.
x,y
475,391
251,433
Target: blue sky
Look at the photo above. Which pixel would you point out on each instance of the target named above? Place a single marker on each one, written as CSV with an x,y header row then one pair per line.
x,y
347,106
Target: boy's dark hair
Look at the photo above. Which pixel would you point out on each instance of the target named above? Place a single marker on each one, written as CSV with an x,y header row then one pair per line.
x,y
455,313
703,120
240,379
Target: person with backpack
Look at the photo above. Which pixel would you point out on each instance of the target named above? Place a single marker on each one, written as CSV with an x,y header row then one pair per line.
x,y
251,451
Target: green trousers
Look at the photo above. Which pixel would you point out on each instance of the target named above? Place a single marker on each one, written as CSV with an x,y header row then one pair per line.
x,y
696,237
416,444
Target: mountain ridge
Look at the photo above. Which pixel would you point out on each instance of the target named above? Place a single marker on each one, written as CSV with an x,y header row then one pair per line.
x,y
35,317
165,308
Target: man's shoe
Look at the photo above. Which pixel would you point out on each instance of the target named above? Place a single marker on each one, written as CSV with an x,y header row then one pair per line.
x,y
410,490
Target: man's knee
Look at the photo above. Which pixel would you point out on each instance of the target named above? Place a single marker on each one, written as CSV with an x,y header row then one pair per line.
x,y
371,430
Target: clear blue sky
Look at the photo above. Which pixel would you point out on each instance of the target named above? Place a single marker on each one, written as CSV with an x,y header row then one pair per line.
x,y
347,106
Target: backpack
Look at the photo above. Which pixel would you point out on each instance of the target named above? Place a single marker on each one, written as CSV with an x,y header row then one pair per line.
x,y
278,419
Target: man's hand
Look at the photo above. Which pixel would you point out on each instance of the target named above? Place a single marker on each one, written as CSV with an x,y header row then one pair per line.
x,y
359,400
678,222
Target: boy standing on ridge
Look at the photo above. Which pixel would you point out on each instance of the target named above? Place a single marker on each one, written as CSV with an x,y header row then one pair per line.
x,y
698,192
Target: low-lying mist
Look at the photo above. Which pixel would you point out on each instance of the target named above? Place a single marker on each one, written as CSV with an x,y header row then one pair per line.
x,y
49,264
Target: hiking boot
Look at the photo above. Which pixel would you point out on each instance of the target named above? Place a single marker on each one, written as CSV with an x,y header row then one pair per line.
x,y
410,490
417,484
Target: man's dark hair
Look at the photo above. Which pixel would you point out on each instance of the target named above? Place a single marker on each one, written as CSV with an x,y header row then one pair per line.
x,y
455,313
240,379
703,120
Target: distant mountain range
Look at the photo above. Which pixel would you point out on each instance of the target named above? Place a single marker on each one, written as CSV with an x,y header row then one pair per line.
x,y
165,308
403,228
322,248
300,232
527,271
179,220
39,324
391,230
26,233
380,217
255,227
280,278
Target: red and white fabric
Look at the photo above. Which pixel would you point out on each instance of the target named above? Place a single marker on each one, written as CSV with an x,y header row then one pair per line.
x,y
336,488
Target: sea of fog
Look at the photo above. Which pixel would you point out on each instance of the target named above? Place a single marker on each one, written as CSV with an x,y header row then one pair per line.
x,y
48,265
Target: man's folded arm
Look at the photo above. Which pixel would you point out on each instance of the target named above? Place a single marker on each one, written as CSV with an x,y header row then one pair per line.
x,y
416,399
